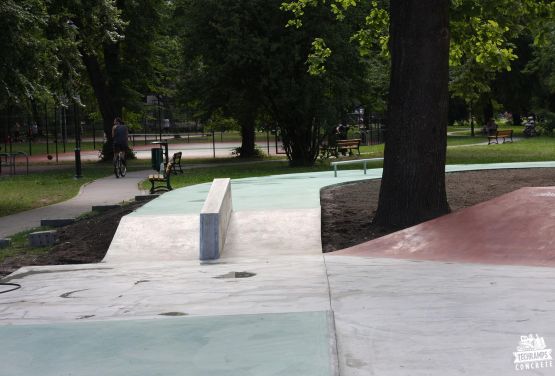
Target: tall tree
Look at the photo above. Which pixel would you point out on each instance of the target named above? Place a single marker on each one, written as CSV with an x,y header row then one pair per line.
x,y
413,182
413,186
240,57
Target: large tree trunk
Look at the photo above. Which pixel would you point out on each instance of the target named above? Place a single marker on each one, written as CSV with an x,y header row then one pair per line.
x,y
247,136
104,99
413,182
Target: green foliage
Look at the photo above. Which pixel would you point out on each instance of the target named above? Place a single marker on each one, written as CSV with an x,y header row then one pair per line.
x,y
239,58
547,122
258,152
317,58
220,123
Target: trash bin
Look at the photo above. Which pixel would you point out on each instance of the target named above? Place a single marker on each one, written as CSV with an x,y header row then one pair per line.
x,y
156,158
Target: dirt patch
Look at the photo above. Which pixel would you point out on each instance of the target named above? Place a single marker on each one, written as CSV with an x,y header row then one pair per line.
x,y
86,241
347,210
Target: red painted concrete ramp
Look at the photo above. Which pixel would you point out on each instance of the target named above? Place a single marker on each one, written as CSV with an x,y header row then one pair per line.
x,y
517,228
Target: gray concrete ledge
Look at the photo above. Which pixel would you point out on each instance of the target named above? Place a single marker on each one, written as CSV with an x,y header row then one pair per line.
x,y
214,219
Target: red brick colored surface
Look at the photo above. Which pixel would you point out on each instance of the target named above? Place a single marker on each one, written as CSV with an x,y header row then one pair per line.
x,y
517,228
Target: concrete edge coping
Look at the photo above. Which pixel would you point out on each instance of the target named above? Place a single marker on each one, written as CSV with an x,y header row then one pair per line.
x,y
105,207
42,238
146,197
214,219
5,242
58,222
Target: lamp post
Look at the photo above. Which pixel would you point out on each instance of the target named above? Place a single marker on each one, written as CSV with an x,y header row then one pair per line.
x,y
76,123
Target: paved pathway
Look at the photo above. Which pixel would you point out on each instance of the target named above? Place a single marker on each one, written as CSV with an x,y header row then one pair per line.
x,y
374,316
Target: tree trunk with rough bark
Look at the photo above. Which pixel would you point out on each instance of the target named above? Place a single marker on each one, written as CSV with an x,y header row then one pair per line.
x,y
104,99
413,182
247,136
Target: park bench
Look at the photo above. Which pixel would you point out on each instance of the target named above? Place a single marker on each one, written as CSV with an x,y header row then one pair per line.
x,y
504,134
353,161
176,162
349,145
161,178
328,150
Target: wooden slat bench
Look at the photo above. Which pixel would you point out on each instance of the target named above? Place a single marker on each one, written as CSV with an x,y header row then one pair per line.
x,y
353,161
504,134
349,145
327,150
158,178
176,160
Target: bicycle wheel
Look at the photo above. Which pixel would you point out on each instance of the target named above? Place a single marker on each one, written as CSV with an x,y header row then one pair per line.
x,y
117,163
122,166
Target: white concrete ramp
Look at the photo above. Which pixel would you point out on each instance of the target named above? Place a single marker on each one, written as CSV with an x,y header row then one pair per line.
x,y
250,234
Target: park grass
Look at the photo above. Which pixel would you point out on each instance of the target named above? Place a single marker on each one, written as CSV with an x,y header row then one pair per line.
x,y
465,140
525,150
25,192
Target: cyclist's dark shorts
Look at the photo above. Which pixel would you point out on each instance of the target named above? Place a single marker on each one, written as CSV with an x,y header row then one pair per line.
x,y
119,147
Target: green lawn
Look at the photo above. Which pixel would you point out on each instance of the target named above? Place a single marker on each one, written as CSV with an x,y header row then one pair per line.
x,y
24,192
530,149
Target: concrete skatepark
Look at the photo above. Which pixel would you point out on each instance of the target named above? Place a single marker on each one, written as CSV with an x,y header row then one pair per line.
x,y
445,298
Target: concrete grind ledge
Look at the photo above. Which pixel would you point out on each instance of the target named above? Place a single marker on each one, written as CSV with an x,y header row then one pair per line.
x,y
214,219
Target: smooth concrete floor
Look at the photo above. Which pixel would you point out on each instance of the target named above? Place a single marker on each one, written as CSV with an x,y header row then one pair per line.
x,y
419,318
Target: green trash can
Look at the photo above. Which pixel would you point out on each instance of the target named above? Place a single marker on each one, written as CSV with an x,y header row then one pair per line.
x,y
156,158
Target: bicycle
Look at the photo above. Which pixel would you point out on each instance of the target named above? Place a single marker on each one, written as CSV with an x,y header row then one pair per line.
x,y
120,168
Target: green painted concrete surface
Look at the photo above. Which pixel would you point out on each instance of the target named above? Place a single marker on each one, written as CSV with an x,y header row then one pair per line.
x,y
269,344
291,191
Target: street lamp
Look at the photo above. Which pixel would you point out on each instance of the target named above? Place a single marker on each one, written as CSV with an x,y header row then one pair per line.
x,y
76,123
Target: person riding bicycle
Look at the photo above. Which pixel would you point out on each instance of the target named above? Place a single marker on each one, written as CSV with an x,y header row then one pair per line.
x,y
119,137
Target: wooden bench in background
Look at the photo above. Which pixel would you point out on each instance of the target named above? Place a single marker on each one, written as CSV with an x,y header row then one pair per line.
x,y
176,160
349,145
159,178
504,134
